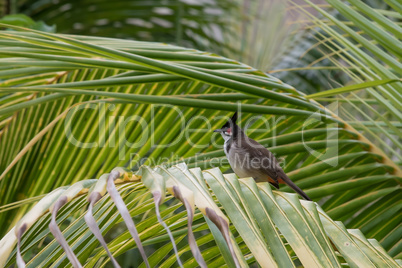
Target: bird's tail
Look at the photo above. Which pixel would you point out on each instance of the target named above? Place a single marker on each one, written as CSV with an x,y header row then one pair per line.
x,y
291,184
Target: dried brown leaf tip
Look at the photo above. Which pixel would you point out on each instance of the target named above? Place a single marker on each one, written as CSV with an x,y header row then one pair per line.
x,y
125,214
54,228
223,226
21,230
190,215
93,226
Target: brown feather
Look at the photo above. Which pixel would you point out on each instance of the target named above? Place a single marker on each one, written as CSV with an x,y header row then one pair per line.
x,y
262,164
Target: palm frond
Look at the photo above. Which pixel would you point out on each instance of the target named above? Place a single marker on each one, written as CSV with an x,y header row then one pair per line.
x,y
277,228
83,105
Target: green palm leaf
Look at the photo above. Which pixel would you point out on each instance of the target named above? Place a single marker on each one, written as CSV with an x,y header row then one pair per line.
x,y
269,223
60,91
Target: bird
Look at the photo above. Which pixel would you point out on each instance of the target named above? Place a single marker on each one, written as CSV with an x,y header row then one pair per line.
x,y
248,158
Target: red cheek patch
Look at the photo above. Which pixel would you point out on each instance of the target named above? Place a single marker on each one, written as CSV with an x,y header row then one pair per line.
x,y
229,130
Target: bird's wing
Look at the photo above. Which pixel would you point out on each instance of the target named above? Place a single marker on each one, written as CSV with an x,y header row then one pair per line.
x,y
265,161
272,169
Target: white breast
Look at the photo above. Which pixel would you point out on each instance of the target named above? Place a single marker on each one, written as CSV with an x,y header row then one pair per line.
x,y
238,163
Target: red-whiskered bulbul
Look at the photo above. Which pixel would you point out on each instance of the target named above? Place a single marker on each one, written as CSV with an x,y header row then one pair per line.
x,y
249,158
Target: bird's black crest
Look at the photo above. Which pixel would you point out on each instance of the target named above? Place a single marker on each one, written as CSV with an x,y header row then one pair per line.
x,y
231,121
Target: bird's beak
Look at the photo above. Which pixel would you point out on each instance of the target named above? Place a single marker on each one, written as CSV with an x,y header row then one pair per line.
x,y
218,130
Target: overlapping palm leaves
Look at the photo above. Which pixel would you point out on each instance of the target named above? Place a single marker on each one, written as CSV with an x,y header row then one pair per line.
x,y
294,233
338,49
356,46
58,82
